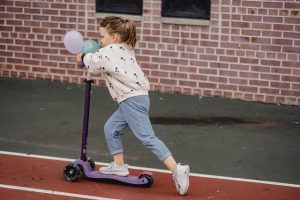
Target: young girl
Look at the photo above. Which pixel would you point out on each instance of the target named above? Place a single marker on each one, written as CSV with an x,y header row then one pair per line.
x,y
128,86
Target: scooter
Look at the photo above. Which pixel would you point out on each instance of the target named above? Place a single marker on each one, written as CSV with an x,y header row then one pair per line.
x,y
85,167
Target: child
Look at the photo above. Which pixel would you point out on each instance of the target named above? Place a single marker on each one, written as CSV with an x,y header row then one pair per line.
x,y
128,86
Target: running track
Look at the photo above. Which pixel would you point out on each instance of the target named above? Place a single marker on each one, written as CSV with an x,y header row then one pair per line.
x,y
40,177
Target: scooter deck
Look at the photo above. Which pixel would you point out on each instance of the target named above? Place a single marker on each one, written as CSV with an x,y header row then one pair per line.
x,y
144,179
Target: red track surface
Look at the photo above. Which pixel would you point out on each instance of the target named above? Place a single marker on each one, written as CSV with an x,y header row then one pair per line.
x,y
47,174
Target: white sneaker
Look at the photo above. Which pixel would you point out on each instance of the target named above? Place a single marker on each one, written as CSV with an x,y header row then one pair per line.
x,y
181,178
113,168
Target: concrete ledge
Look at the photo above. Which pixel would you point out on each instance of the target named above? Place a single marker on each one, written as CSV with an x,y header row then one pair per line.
x,y
136,18
185,21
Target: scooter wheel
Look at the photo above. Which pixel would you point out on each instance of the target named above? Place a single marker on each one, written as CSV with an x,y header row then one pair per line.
x,y
92,164
148,177
72,172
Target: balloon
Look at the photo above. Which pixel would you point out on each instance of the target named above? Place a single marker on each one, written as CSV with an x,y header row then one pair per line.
x,y
90,46
73,41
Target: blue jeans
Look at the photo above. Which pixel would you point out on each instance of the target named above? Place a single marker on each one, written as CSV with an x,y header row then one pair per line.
x,y
134,113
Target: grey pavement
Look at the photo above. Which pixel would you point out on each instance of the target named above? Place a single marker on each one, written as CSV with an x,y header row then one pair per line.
x,y
215,136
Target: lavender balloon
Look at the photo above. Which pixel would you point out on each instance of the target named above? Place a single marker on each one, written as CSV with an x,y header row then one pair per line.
x,y
73,41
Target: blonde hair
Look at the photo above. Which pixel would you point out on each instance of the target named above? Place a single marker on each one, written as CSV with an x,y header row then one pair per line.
x,y
123,27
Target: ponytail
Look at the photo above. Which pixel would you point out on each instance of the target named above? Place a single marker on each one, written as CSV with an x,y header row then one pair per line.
x,y
125,28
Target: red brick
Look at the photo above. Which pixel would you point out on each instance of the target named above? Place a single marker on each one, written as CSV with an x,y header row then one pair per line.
x,y
22,67
292,35
270,62
22,4
296,71
169,54
48,64
290,64
14,9
190,42
207,85
32,11
57,71
217,79
259,68
272,34
228,73
31,62
283,27
228,87
285,42
272,19
271,48
189,55
197,77
208,57
168,81
270,77
249,60
251,3
178,75
159,60
187,69
59,5
168,67
39,69
268,91
291,49
295,86
75,72
259,83
179,61
290,93
228,59
273,4
14,60
198,63
292,5
51,12
291,20
280,85
290,78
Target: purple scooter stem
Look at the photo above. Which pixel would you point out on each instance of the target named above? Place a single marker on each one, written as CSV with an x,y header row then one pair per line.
x,y
86,115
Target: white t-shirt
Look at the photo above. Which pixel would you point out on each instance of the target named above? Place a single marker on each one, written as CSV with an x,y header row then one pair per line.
x,y
124,77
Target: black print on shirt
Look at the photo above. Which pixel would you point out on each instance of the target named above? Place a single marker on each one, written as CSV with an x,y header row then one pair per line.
x,y
107,58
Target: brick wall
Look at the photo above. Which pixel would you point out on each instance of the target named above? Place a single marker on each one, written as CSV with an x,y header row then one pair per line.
x,y
250,50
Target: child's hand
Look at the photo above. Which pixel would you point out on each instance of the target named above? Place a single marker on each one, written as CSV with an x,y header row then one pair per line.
x,y
78,57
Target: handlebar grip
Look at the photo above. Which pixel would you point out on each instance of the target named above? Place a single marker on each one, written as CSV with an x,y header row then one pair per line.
x,y
80,64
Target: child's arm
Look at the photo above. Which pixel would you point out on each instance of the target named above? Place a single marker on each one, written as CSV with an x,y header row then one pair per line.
x,y
94,62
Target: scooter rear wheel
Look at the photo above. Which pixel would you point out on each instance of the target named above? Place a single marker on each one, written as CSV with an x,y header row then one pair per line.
x,y
72,172
148,177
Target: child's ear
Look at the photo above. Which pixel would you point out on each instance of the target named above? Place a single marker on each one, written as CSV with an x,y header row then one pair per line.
x,y
116,37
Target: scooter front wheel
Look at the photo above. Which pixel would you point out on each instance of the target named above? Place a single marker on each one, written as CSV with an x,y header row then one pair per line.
x,y
72,172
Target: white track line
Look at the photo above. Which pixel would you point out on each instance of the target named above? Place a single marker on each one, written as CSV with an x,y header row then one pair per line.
x,y
158,170
52,192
